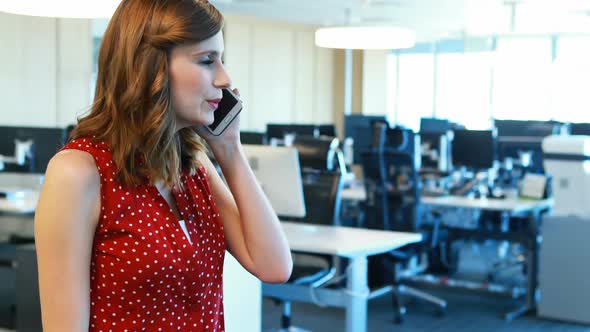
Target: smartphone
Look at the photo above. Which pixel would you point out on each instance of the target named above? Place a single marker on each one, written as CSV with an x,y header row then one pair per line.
x,y
229,107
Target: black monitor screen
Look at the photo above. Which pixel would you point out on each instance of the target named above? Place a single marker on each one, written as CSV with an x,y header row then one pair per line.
x,y
434,126
253,138
474,149
529,128
580,128
278,130
360,129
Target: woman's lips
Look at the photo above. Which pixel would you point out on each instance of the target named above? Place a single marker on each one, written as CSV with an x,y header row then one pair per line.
x,y
214,103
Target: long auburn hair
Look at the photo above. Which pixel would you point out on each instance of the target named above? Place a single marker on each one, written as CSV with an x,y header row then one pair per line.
x,y
132,110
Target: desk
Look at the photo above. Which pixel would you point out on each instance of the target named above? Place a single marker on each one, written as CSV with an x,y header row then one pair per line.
x,y
512,206
24,206
352,243
530,237
24,192
16,216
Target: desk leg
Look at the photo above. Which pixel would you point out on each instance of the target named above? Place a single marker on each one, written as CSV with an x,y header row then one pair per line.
x,y
532,262
358,294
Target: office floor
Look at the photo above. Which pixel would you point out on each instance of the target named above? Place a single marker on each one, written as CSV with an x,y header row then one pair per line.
x,y
466,312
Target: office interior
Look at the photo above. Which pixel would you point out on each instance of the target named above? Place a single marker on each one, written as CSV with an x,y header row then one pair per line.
x,y
441,186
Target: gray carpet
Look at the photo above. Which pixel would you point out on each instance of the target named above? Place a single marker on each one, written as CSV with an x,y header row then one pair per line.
x,y
466,312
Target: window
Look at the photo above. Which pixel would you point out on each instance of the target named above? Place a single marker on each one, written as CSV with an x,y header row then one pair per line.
x,y
521,83
463,82
415,89
571,80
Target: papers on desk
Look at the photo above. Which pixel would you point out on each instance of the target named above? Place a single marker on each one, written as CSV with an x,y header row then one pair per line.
x,y
533,186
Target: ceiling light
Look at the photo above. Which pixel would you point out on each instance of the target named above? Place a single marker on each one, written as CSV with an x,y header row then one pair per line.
x,y
365,37
61,8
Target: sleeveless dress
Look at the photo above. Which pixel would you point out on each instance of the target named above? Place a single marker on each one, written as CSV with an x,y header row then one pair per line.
x,y
145,274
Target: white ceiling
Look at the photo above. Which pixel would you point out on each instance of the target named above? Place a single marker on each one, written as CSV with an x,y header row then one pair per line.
x,y
431,19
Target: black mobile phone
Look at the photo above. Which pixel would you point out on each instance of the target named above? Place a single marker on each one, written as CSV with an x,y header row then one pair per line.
x,y
229,107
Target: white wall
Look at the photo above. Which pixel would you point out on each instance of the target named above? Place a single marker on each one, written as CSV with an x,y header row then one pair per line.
x,y
280,73
45,68
377,88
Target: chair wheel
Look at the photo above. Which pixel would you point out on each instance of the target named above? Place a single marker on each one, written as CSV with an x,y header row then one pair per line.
x,y
441,312
398,320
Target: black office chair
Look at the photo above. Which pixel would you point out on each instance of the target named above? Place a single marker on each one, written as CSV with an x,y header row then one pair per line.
x,y
322,170
327,130
393,202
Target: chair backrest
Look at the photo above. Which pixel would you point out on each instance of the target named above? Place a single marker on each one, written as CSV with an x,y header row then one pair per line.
x,y
322,176
390,174
318,153
392,187
327,130
321,190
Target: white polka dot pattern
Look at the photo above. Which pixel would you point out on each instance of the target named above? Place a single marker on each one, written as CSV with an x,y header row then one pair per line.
x,y
145,275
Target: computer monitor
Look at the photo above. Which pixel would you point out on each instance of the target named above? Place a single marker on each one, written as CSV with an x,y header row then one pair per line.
x,y
360,129
518,138
46,142
278,171
475,149
253,138
278,130
528,128
580,129
434,126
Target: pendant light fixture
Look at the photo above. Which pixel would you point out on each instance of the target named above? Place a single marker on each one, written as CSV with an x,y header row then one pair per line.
x,y
61,8
365,37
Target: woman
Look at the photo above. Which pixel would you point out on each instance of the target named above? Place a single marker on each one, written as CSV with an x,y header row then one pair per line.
x,y
133,220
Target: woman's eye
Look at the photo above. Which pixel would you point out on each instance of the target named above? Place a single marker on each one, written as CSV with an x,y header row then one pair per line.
x,y
207,62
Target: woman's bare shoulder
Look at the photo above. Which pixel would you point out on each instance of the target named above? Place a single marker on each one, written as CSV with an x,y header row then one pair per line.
x,y
73,168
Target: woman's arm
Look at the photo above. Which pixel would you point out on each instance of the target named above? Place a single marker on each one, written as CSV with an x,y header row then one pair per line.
x,y
253,232
65,221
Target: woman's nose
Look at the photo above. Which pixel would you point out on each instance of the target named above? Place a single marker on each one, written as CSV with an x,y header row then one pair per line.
x,y
222,80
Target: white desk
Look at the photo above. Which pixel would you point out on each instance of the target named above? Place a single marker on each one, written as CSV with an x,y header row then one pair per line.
x,y
530,236
21,206
352,243
513,206
16,213
22,191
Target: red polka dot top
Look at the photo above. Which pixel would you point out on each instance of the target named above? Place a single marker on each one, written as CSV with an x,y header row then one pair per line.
x,y
145,274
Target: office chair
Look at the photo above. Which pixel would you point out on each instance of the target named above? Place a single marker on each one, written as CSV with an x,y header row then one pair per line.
x,y
327,130
322,169
393,201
